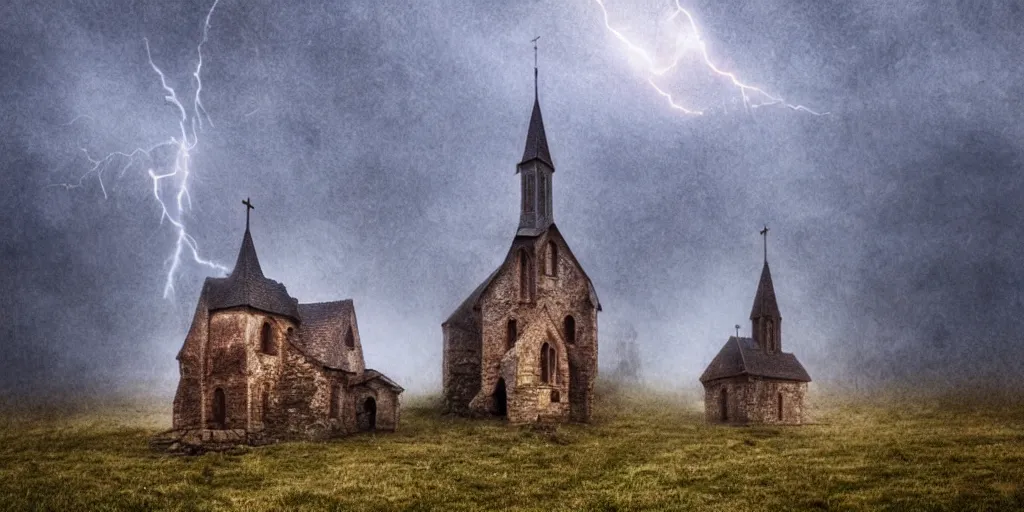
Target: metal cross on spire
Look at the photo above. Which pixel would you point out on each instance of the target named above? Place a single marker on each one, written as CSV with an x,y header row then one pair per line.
x,y
764,233
248,206
534,41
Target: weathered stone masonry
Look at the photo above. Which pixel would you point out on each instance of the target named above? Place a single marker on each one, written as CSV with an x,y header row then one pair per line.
x,y
256,367
524,343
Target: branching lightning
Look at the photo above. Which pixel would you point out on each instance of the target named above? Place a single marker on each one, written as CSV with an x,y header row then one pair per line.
x,y
687,41
170,180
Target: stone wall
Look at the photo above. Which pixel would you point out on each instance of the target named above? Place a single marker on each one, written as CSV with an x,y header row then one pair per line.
x,y
565,293
188,399
461,363
302,403
755,400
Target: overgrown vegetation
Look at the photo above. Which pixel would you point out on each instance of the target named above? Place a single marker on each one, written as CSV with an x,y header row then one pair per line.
x,y
644,451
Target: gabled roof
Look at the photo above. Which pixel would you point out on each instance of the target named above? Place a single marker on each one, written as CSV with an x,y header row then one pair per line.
x,y
536,140
764,300
247,286
321,332
519,240
742,356
369,375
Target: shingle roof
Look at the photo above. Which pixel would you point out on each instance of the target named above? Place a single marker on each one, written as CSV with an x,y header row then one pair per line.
x,y
247,286
369,375
536,140
322,330
765,303
742,356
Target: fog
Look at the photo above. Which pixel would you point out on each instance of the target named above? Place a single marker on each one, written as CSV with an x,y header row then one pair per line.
x,y
378,143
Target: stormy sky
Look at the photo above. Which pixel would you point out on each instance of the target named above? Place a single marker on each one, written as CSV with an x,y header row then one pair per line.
x,y
378,142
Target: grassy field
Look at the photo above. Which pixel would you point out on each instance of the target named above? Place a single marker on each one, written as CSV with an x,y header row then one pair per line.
x,y
644,451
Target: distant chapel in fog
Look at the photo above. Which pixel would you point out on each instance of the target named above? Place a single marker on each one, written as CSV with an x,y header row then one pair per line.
x,y
523,345
752,380
259,367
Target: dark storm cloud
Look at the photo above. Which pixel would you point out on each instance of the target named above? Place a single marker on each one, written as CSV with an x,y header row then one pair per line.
x,y
378,142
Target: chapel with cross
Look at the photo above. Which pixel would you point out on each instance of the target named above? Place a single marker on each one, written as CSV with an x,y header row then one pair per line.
x,y
523,344
752,380
258,367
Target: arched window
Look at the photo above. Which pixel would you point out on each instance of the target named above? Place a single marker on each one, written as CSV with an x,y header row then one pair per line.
x,y
570,330
528,197
542,191
526,278
544,368
780,407
350,339
556,396
551,261
552,366
267,339
512,334
724,405
769,343
219,408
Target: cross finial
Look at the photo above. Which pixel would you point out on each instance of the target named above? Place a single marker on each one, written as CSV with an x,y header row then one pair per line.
x,y
248,206
764,233
534,41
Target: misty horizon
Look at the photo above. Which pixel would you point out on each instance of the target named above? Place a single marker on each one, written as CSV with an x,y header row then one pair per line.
x,y
378,144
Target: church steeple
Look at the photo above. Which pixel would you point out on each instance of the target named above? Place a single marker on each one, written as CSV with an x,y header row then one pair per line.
x,y
536,169
765,319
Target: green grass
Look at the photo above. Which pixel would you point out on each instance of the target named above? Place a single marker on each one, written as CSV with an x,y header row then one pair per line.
x,y
644,451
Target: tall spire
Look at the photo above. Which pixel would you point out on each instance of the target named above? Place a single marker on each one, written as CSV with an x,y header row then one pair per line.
x,y
536,140
765,319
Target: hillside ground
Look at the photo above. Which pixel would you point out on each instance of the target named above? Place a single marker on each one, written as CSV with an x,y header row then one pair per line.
x,y
645,450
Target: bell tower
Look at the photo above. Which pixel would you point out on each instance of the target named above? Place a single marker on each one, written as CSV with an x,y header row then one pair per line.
x,y
765,320
535,170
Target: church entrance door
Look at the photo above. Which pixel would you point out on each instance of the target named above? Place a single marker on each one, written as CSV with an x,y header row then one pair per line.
x,y
500,399
366,418
219,409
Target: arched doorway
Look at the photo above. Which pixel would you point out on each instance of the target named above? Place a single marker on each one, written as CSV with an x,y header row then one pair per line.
x,y
500,399
725,405
367,416
219,409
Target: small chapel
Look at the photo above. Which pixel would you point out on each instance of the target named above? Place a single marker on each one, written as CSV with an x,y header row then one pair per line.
x,y
258,367
523,344
751,380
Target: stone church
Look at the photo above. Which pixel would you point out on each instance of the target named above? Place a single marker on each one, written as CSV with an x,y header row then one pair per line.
x,y
523,345
259,367
752,380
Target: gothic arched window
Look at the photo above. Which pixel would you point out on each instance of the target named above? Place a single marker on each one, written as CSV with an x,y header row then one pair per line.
x,y
526,278
528,198
552,365
570,330
551,260
350,339
545,374
512,334
542,190
267,340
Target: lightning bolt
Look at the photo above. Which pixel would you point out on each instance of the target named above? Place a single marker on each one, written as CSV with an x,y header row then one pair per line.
x,y
689,41
170,180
